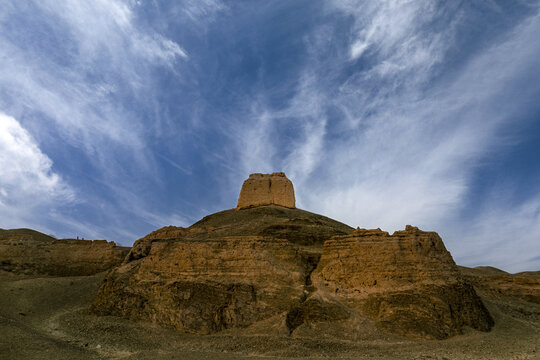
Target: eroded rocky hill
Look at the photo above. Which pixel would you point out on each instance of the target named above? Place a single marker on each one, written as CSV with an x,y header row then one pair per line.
x,y
408,282
31,252
495,283
288,269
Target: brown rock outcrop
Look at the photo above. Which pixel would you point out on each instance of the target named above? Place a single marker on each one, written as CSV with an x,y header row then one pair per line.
x,y
214,275
494,283
142,247
266,189
30,252
203,286
408,282
271,263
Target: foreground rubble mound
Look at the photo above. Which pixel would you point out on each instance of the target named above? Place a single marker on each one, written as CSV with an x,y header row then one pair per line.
x,y
26,251
288,269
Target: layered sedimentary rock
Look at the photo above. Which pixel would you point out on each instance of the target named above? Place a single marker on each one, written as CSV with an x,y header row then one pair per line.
x,y
270,261
266,189
214,275
142,247
31,252
203,286
408,282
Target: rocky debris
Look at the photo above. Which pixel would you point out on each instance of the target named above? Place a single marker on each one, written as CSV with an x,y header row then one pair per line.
x,y
27,251
266,189
495,283
408,282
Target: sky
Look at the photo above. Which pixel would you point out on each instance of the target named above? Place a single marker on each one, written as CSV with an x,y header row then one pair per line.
x,y
118,117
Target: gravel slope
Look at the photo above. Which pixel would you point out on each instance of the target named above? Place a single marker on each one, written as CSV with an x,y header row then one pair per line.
x,y
47,318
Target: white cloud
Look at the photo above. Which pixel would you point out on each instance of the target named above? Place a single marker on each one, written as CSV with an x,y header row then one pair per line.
x,y
308,110
390,28
412,160
97,56
256,143
403,155
508,236
200,11
22,164
110,26
260,146
27,180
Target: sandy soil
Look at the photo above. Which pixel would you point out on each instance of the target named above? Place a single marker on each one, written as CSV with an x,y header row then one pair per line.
x,y
47,318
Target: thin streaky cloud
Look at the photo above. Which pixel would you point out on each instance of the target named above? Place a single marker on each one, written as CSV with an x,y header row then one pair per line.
x,y
382,113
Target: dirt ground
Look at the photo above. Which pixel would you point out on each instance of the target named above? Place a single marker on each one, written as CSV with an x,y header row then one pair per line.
x,y
47,318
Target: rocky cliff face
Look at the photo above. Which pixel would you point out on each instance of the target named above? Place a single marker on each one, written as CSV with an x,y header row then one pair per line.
x,y
266,189
31,252
214,275
408,282
256,264
203,286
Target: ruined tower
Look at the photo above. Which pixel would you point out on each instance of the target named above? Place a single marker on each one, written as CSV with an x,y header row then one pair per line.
x,y
266,189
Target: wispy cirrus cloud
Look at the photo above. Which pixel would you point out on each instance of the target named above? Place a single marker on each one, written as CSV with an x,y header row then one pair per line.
x,y
391,29
382,112
109,29
415,155
198,10
80,87
76,75
504,235
384,137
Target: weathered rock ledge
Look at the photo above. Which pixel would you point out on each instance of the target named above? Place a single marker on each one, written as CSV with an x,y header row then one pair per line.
x,y
408,282
27,251
214,275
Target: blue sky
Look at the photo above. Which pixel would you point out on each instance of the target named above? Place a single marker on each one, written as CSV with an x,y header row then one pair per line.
x,y
119,117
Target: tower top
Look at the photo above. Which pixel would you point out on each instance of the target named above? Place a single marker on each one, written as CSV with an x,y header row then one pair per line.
x,y
266,189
